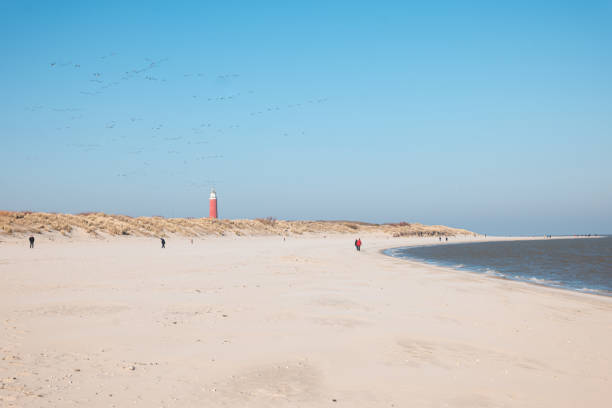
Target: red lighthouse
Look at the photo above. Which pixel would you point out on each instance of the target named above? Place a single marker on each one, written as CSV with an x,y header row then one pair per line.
x,y
213,204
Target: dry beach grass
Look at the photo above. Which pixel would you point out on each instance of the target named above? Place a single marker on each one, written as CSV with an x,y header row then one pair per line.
x,y
22,223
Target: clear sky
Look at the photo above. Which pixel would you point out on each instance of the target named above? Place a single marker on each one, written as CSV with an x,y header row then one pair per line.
x,y
493,116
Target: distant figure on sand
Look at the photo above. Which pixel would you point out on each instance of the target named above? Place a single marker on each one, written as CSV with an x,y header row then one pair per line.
x,y
446,239
440,238
31,242
163,241
358,244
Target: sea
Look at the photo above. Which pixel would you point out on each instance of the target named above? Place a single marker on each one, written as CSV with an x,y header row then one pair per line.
x,y
580,264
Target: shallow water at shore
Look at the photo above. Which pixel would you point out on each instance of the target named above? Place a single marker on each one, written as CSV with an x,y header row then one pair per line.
x,y
583,264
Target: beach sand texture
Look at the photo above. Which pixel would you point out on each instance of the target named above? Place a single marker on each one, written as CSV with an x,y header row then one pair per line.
x,y
307,322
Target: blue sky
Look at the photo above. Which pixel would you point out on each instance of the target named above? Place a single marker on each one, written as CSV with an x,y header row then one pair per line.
x,y
496,118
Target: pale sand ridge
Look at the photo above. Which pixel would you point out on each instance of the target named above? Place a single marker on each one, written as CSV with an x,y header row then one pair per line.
x,y
18,224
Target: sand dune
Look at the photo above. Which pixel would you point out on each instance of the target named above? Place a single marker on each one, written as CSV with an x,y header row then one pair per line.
x,y
21,223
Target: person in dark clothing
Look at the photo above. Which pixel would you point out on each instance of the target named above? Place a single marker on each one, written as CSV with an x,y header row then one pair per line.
x,y
163,241
356,245
31,242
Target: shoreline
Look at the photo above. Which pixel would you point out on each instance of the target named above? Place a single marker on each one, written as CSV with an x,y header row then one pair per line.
x,y
496,274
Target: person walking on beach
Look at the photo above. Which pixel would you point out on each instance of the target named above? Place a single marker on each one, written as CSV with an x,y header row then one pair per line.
x,y
163,241
31,242
358,244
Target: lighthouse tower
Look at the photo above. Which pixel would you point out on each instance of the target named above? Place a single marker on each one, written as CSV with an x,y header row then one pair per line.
x,y
213,204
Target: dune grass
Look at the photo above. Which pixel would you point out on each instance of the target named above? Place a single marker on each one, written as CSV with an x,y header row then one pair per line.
x,y
97,224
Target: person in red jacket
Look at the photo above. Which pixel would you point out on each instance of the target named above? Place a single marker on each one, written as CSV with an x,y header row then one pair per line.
x,y
358,244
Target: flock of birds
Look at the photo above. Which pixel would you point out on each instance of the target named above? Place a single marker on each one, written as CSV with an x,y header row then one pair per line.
x,y
153,139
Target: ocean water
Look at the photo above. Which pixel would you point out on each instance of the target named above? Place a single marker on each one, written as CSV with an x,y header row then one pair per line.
x,y
582,264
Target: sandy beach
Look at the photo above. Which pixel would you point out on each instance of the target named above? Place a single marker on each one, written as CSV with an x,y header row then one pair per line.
x,y
307,322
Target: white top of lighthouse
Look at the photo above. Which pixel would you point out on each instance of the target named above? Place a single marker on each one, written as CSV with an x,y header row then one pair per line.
x,y
213,194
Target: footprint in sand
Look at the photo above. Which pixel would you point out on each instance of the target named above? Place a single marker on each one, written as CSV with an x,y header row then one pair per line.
x,y
285,383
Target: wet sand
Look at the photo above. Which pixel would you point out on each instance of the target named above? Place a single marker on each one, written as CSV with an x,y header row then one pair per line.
x,y
307,322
